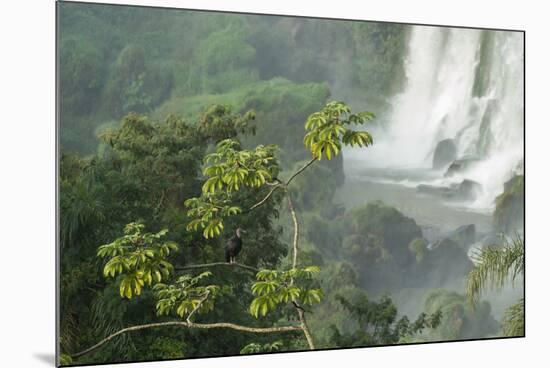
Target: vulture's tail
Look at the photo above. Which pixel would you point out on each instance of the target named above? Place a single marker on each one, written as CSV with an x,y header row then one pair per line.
x,y
227,256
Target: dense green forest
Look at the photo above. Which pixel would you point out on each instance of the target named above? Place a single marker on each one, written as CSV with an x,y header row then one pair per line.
x,y
177,128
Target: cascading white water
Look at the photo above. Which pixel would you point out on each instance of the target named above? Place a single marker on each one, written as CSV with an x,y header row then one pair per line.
x,y
461,84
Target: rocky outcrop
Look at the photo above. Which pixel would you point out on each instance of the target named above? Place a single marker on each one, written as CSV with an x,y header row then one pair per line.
x,y
464,236
438,263
510,205
459,166
463,191
445,153
467,190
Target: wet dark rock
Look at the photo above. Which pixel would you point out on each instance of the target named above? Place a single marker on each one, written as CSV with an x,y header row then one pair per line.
x,y
431,233
510,206
459,166
445,153
491,240
442,243
463,191
464,236
445,260
467,190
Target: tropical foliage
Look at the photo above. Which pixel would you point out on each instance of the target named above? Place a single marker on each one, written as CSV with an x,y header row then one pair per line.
x,y
140,259
190,125
495,268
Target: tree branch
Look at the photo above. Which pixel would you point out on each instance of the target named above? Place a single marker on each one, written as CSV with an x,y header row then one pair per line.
x,y
198,306
305,328
301,312
301,169
299,309
278,184
232,326
296,229
215,264
266,197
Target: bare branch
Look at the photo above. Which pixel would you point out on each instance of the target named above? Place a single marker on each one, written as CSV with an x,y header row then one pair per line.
x,y
198,306
305,328
232,326
301,169
296,229
215,264
188,324
276,186
299,308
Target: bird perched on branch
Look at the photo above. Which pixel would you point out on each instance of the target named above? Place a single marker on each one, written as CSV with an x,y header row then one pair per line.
x,y
234,246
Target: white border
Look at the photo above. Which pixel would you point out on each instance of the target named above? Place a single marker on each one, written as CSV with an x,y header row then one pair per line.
x,y
27,185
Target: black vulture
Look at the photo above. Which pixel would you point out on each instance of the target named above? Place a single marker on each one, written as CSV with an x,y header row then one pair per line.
x,y
234,246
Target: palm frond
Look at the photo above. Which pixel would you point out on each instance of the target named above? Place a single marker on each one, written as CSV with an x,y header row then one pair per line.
x,y
514,320
107,317
494,267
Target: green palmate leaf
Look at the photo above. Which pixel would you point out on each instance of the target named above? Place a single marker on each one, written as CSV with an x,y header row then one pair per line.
x,y
280,287
312,269
157,276
228,170
293,293
186,295
257,348
266,274
140,259
312,296
254,308
211,184
326,133
264,287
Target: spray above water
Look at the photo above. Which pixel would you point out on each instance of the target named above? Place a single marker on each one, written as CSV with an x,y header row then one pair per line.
x,y
464,85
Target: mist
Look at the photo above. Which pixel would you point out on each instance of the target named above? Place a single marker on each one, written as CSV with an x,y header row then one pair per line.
x,y
393,226
466,86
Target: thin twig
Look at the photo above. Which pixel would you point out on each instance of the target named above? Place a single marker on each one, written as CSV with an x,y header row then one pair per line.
x,y
278,184
198,306
301,169
266,197
301,312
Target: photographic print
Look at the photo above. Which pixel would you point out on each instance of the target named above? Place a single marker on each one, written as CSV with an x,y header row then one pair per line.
x,y
234,184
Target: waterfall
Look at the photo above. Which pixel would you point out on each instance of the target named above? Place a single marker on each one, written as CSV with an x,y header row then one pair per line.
x,y
462,84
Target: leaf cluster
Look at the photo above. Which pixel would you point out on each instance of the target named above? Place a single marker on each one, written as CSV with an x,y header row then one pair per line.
x,y
208,212
231,167
274,287
378,322
228,169
217,122
138,257
328,129
495,266
186,295
514,319
255,348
